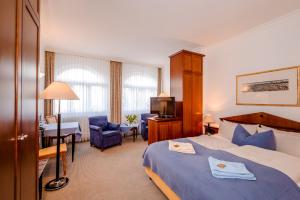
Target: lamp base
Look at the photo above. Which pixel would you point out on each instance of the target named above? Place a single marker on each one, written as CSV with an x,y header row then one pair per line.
x,y
57,184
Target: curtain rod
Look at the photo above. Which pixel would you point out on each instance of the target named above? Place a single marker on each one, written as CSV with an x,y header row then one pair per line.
x,y
103,58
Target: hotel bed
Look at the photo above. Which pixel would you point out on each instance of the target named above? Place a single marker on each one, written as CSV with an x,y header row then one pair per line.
x,y
188,176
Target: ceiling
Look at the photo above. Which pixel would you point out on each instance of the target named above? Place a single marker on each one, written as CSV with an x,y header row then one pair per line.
x,y
148,31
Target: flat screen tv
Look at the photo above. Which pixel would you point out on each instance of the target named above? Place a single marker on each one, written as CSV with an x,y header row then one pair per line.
x,y
164,107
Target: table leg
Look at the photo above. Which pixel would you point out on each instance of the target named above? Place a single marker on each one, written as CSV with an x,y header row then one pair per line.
x,y
43,139
73,146
134,134
64,159
40,186
43,142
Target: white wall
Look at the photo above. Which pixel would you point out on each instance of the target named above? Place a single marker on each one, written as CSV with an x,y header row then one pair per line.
x,y
166,79
269,46
41,79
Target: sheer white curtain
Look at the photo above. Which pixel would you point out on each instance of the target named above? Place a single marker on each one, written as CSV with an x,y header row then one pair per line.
x,y
139,83
89,78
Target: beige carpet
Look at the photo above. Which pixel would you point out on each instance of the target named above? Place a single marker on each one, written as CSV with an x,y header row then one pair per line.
x,y
116,173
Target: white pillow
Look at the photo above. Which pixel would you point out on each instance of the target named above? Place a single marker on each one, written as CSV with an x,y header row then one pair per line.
x,y
286,142
226,129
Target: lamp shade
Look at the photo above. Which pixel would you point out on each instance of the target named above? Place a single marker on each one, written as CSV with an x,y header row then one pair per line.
x,y
208,118
59,91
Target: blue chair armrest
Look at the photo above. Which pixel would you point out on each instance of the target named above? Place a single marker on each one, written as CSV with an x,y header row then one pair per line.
x,y
95,128
144,124
112,126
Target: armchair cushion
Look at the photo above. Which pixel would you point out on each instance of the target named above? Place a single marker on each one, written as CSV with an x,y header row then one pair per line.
x,y
112,126
110,133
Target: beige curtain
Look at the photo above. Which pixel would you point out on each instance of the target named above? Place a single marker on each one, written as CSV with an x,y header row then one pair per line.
x,y
49,78
159,81
115,91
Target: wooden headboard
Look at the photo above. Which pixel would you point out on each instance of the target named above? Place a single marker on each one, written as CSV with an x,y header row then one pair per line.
x,y
266,120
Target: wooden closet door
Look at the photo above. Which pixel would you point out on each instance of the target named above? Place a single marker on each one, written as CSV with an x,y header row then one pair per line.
x,y
197,104
197,95
7,101
187,104
28,147
35,5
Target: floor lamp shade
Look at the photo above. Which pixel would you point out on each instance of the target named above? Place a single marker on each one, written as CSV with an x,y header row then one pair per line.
x,y
58,91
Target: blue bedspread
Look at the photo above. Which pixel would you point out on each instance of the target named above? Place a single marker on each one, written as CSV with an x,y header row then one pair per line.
x,y
189,176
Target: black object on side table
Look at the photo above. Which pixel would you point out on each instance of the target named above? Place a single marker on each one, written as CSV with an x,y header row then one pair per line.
x,y
210,130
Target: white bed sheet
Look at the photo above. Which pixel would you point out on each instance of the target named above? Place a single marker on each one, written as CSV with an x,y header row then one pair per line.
x,y
287,164
215,142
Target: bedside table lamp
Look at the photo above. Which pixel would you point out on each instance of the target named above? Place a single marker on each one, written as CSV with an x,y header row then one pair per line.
x,y
208,119
58,91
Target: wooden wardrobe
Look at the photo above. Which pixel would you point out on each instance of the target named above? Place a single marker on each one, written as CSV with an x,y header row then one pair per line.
x,y
19,58
186,84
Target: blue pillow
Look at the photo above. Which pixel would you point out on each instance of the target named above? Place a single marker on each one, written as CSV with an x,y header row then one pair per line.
x,y
264,139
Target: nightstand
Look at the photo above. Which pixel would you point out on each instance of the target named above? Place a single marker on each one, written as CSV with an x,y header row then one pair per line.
x,y
214,128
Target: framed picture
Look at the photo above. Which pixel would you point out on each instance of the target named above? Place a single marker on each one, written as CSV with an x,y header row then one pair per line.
x,y
279,87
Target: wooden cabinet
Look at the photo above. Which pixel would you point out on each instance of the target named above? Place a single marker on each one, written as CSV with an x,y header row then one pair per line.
x,y
164,129
19,50
35,6
175,129
186,86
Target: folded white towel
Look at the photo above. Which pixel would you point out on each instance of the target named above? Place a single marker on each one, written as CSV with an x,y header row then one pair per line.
x,y
181,147
229,169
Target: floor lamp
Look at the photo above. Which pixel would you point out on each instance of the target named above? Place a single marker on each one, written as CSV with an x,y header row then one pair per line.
x,y
58,91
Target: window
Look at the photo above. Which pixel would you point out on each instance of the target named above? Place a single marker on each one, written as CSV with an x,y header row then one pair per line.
x,y
139,84
89,78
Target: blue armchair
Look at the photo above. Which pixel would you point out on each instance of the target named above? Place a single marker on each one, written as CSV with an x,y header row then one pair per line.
x,y
104,134
144,124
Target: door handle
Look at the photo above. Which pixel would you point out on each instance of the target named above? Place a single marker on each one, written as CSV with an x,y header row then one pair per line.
x,y
22,137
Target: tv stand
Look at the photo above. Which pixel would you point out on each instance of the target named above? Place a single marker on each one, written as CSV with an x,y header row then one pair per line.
x,y
164,129
165,117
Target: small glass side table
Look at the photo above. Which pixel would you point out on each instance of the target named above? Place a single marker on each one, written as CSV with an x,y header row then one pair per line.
x,y
129,128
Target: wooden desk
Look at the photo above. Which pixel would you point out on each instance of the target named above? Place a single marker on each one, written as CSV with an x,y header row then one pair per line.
x,y
50,152
164,129
67,129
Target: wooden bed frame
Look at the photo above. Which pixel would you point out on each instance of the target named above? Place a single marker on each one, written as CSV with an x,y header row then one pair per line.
x,y
266,119
260,118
